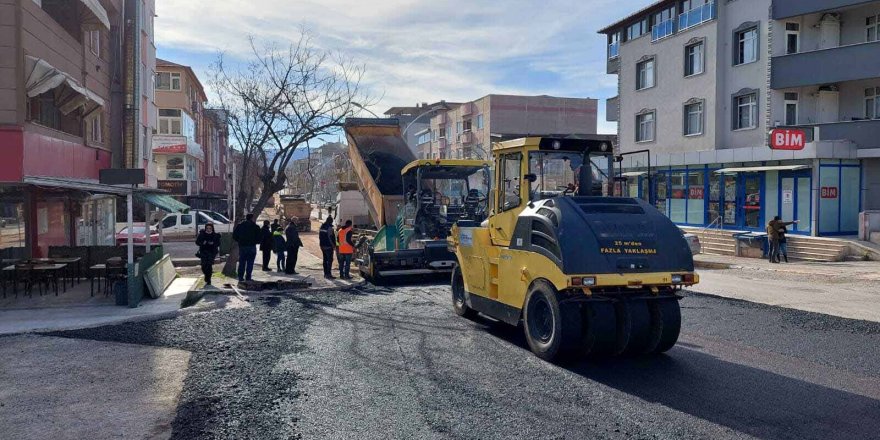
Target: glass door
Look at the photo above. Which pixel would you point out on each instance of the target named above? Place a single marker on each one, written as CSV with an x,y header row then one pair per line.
x,y
749,201
796,200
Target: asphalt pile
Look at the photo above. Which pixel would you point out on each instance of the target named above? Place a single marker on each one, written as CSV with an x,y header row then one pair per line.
x,y
232,389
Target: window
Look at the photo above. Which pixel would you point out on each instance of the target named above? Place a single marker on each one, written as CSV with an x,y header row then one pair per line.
x,y
167,81
693,119
791,109
186,219
746,46
442,132
645,74
479,122
96,128
510,170
95,42
872,103
424,138
613,45
466,125
458,127
693,59
872,31
645,127
746,108
170,121
792,38
664,24
637,30
169,222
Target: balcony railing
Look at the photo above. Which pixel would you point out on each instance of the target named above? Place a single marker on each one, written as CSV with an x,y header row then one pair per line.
x,y
696,16
863,133
824,66
466,137
662,30
613,50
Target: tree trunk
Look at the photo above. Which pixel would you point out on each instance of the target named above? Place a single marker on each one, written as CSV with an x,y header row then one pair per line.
x,y
230,268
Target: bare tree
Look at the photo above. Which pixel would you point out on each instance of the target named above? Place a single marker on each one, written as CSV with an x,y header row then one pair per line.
x,y
277,101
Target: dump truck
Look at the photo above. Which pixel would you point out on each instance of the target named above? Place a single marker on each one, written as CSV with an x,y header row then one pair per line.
x,y
583,272
414,203
298,209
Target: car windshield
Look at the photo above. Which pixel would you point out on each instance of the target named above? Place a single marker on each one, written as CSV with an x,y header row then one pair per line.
x,y
217,216
137,230
557,173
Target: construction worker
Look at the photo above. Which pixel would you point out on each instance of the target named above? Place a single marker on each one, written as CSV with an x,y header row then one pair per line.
x,y
346,250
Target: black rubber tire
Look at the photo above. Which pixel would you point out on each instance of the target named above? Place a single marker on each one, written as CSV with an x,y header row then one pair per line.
x,y
599,322
459,296
665,324
633,327
552,326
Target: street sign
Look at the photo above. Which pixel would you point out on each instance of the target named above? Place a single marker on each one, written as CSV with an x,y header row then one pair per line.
x,y
122,176
173,186
787,139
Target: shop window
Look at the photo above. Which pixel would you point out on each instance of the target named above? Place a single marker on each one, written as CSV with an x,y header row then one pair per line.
x,y
12,225
661,186
829,199
696,200
678,197
850,193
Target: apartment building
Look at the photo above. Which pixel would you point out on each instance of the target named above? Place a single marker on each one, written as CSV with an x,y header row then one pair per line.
x,y
177,144
321,174
416,121
701,85
467,130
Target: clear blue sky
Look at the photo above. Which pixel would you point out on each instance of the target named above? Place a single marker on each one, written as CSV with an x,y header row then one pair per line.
x,y
414,50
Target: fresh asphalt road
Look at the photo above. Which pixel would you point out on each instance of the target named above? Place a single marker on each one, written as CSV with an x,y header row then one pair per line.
x,y
397,363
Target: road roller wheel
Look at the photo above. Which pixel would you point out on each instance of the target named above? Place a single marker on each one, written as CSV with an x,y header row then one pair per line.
x,y
633,327
599,323
665,324
459,303
552,326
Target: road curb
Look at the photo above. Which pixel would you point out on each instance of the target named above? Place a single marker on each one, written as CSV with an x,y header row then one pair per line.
x,y
713,265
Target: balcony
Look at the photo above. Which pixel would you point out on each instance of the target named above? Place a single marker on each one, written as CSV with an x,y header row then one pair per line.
x,y
825,66
613,50
612,109
467,109
214,185
864,133
792,8
696,16
466,137
663,29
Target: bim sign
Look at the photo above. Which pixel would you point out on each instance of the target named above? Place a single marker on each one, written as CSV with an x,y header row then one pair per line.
x,y
785,139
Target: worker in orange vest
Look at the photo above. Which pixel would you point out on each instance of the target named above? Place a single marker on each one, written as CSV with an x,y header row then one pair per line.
x,y
346,250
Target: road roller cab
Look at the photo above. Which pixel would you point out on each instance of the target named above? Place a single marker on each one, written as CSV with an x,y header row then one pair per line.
x,y
585,273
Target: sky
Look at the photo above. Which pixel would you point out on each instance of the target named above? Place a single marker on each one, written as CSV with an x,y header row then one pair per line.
x,y
416,50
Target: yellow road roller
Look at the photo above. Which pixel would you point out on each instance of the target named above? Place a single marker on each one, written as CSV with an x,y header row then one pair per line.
x,y
583,272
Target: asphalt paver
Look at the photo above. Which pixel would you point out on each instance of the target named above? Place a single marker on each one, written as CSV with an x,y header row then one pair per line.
x,y
395,362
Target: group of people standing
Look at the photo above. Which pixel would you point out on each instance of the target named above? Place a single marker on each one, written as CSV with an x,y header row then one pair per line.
x,y
339,241
284,242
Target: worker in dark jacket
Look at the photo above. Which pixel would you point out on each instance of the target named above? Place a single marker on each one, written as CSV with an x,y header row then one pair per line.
x,y
293,245
266,245
247,234
279,245
208,242
327,241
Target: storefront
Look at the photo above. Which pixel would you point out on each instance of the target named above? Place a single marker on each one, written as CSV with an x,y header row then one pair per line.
x,y
824,195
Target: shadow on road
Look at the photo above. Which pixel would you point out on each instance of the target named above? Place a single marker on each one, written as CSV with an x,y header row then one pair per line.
x,y
743,398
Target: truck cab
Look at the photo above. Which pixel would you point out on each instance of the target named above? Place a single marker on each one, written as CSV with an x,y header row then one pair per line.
x,y
178,225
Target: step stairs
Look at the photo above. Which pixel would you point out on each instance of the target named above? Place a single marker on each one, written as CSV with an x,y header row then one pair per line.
x,y
721,242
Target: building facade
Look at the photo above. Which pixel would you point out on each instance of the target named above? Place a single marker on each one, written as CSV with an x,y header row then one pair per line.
x,y
702,83
466,130
416,121
322,174
181,130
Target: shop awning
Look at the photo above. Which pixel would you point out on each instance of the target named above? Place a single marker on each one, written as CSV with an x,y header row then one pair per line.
x,y
163,201
95,16
43,78
633,173
758,169
77,184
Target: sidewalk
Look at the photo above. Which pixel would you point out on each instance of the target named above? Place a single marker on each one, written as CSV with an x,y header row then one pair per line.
x,y
845,289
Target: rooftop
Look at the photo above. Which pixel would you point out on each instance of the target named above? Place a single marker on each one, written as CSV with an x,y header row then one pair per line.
x,y
614,26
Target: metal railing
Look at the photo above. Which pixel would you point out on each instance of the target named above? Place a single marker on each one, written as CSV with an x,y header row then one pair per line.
x,y
663,29
696,16
720,224
613,50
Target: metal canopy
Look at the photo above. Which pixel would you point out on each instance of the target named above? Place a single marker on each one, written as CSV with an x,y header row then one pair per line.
x,y
633,173
765,168
98,16
43,77
163,201
82,185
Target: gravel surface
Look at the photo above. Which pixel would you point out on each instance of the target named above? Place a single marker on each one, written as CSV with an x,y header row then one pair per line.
x,y
397,363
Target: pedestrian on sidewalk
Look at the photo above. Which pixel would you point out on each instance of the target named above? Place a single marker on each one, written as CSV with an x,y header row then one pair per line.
x,y
774,236
346,250
275,225
208,242
280,246
247,234
783,242
266,245
293,245
327,241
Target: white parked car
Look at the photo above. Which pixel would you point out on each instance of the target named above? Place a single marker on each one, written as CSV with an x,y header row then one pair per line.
x,y
177,225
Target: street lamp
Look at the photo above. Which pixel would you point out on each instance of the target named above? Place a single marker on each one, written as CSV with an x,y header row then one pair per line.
x,y
361,106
